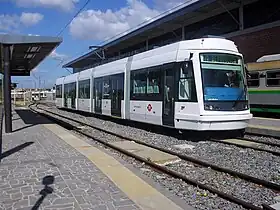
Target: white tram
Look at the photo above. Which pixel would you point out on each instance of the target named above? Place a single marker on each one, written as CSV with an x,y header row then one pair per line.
x,y
190,85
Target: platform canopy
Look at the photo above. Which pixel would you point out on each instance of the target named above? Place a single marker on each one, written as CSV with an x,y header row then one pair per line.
x,y
26,52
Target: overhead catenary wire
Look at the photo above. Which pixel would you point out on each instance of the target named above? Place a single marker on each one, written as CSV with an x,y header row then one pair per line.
x,y
69,22
77,13
60,32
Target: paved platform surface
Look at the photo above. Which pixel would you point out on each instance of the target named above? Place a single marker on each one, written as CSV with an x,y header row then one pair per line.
x,y
265,121
276,206
84,176
264,126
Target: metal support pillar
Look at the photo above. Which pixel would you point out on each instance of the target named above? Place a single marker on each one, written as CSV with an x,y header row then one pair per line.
x,y
241,16
15,97
183,33
147,44
1,130
7,89
232,16
24,98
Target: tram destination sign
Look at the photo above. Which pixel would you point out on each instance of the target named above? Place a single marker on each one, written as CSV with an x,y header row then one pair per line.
x,y
220,58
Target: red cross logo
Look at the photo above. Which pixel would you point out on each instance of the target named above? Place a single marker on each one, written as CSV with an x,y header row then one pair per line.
x,y
149,107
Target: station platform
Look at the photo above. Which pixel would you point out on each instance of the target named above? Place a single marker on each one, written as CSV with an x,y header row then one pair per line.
x,y
44,166
264,126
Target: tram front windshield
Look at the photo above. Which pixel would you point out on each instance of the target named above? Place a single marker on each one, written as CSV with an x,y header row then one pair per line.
x,y
222,77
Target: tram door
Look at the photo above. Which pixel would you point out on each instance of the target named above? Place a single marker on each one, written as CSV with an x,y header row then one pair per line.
x,y
168,97
117,84
66,95
98,95
73,95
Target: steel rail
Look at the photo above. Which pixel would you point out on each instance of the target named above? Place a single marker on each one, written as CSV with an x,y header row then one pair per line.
x,y
243,176
156,166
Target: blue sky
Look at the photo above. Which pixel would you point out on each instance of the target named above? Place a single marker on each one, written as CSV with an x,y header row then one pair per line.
x,y
99,21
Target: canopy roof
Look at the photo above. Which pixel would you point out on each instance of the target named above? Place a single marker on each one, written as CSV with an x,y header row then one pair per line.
x,y
27,51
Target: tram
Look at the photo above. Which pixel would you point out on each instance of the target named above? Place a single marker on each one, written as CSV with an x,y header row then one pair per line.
x,y
195,84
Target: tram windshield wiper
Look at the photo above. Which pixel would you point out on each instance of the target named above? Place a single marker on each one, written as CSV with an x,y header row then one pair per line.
x,y
243,92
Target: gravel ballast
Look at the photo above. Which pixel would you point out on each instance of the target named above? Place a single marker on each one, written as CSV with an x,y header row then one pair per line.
x,y
259,164
255,163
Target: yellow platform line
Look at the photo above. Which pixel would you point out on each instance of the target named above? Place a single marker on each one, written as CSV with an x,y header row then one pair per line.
x,y
140,192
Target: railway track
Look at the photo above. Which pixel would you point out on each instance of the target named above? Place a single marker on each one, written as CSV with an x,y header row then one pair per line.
x,y
263,146
80,127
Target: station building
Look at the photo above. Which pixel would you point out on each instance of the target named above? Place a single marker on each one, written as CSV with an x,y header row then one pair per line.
x,y
253,25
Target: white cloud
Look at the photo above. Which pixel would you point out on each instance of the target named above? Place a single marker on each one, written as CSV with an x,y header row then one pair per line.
x,y
58,56
9,22
29,19
13,22
100,25
65,5
33,35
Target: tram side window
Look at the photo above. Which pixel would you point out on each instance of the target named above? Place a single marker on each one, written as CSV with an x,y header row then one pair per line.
x,y
84,89
66,90
98,91
121,85
70,90
153,82
146,83
66,87
73,90
58,91
106,89
273,78
187,90
254,80
139,83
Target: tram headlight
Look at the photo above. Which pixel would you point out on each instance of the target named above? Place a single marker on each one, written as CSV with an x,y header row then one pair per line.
x,y
208,107
211,107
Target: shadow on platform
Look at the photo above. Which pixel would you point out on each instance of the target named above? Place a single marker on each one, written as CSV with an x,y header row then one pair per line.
x,y
15,149
47,180
30,119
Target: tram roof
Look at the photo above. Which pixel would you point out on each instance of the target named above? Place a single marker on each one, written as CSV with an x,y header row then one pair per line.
x,y
191,12
27,51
